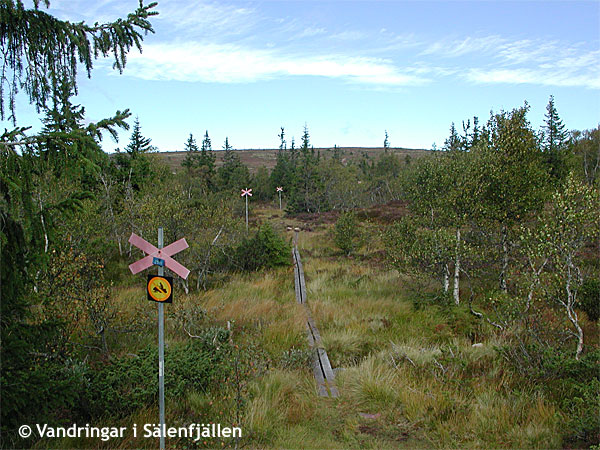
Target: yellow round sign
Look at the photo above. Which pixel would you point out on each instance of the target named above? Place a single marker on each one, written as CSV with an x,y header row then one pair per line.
x,y
160,289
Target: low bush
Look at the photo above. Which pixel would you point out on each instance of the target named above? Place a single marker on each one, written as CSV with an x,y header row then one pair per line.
x,y
346,233
589,298
266,249
131,382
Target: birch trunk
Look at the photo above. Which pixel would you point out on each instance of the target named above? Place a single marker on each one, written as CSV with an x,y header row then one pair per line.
x,y
570,309
504,259
446,278
457,269
46,241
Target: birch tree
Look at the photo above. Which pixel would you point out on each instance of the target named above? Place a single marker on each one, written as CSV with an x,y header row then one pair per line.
x,y
562,231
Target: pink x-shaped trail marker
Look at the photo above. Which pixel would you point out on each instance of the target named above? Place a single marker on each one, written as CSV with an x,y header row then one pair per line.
x,y
246,192
163,253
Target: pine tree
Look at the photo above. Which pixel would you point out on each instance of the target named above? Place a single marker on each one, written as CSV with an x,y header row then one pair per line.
x,y
306,194
555,135
554,140
191,153
386,142
207,156
232,174
56,46
282,143
453,142
138,144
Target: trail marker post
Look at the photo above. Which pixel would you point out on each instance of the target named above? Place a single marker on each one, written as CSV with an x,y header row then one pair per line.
x,y
160,290
246,193
279,190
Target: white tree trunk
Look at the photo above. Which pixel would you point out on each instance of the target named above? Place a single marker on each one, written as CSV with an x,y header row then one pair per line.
x,y
570,308
504,259
446,278
457,269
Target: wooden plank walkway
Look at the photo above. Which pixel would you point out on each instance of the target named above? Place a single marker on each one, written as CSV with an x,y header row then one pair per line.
x,y
321,366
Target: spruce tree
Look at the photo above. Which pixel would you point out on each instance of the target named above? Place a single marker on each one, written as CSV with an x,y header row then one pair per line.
x,y
57,46
453,142
191,153
554,140
232,174
555,135
138,144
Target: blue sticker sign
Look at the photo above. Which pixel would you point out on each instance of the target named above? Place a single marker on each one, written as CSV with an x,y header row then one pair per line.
x,y
158,262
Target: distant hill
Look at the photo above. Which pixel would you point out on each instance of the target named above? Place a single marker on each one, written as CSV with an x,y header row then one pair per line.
x,y
255,159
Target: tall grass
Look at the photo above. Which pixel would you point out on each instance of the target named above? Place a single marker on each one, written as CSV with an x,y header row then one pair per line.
x,y
408,374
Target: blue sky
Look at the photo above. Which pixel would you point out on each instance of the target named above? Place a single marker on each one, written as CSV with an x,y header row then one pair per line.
x,y
348,69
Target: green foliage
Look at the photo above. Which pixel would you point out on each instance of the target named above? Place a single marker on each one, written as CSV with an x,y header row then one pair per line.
x,y
589,298
296,358
346,233
130,382
554,142
262,185
232,175
306,193
573,383
57,46
266,249
585,146
413,249
138,144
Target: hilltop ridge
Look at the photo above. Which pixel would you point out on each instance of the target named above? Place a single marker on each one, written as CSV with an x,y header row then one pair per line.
x,y
256,158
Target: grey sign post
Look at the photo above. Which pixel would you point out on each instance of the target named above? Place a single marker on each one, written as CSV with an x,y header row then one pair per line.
x,y
279,190
161,352
160,257
246,193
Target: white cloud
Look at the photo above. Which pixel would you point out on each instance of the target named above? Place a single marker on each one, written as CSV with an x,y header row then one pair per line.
x,y
228,63
207,18
453,48
496,59
534,76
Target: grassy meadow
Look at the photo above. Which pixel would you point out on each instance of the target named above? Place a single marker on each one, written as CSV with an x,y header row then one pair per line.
x,y
408,373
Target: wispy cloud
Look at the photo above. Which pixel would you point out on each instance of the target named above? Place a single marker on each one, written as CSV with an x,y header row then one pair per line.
x,y
207,18
228,63
496,59
534,76
452,48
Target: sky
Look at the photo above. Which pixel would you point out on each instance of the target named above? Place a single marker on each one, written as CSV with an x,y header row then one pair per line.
x,y
348,70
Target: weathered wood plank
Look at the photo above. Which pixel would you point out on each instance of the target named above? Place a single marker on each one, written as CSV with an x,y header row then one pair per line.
x,y
328,372
323,372
302,279
314,330
318,371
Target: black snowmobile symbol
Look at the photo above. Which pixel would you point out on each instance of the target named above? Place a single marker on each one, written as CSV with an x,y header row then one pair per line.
x,y
159,288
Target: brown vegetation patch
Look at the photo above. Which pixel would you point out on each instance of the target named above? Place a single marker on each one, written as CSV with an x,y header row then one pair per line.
x,y
387,213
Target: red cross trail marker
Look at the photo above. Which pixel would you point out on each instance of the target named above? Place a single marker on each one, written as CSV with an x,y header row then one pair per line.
x,y
163,253
246,193
279,190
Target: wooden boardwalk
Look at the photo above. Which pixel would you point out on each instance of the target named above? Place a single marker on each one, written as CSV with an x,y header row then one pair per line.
x,y
321,366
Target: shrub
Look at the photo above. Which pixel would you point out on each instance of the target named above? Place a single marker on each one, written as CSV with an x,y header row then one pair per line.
x,y
131,382
589,298
266,249
346,233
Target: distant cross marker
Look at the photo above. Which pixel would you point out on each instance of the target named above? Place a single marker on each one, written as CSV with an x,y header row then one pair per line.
x,y
279,190
246,193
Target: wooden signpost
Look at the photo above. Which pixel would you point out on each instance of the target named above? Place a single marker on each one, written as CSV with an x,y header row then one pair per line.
x,y
246,193
279,190
160,289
